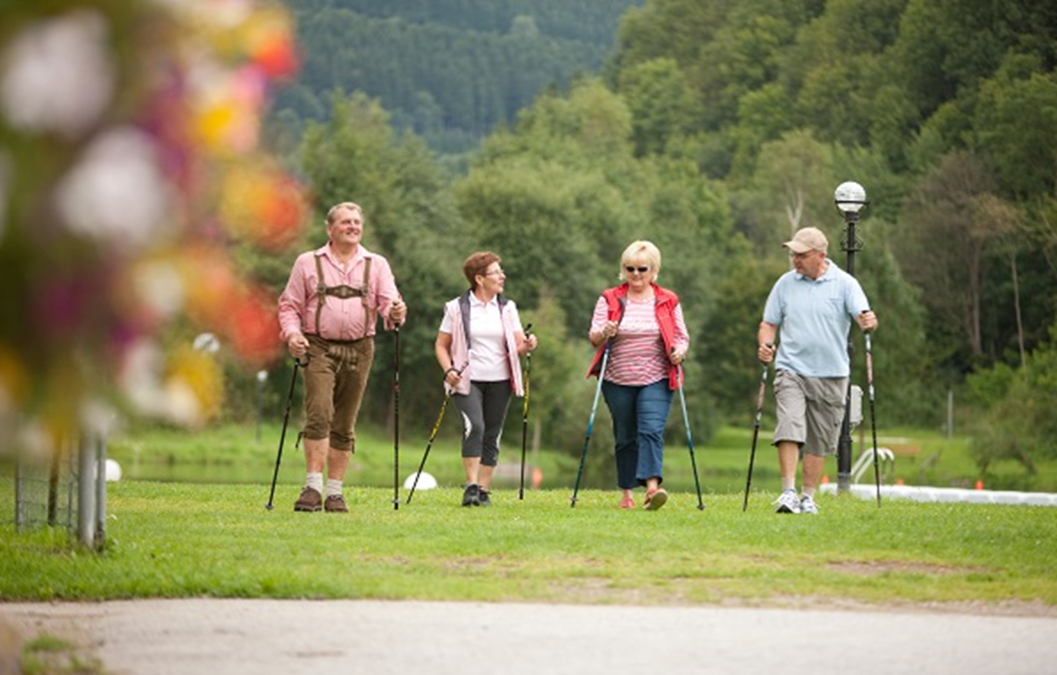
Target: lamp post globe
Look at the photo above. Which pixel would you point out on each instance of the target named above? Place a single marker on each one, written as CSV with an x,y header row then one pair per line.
x,y
850,198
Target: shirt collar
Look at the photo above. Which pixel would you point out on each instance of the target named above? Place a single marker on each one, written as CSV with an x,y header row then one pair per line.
x,y
475,301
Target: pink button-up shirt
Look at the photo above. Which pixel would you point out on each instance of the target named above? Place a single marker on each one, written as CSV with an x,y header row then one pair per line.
x,y
341,319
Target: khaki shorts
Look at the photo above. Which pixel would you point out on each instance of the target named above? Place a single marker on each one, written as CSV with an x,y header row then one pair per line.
x,y
810,411
335,379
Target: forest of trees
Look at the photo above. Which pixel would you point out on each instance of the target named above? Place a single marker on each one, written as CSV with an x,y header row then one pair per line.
x,y
714,128
450,71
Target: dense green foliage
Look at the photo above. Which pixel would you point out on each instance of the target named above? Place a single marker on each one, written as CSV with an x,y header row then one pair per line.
x,y
449,71
715,129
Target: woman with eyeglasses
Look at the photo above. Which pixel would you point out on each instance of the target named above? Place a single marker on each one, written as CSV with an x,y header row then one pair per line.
x,y
478,346
641,325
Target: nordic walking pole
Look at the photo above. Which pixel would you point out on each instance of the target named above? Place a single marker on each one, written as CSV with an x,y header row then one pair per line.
x,y
524,415
396,419
690,446
873,420
756,431
432,435
590,423
282,437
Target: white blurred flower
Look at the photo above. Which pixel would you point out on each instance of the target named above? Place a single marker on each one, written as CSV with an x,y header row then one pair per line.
x,y
57,75
143,381
98,418
160,286
117,193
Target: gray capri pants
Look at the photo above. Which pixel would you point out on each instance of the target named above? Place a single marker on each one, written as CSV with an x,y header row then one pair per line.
x,y
483,413
810,411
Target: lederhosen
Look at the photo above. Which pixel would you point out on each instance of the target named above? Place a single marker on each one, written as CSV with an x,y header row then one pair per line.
x,y
332,410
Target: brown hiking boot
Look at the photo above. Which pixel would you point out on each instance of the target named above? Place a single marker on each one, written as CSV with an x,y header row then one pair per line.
x,y
310,500
335,504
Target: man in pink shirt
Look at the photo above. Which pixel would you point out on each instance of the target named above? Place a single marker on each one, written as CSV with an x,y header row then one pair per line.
x,y
328,313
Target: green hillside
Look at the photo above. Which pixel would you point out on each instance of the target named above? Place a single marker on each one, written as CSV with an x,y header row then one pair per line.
x,y
449,70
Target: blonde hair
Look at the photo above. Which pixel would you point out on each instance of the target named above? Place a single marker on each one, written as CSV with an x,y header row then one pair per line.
x,y
641,252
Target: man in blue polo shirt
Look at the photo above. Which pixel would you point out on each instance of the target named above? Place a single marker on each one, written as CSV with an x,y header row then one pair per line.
x,y
813,304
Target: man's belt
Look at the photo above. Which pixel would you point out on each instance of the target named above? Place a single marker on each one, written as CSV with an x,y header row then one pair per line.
x,y
344,292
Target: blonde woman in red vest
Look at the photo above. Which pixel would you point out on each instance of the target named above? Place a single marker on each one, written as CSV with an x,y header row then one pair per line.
x,y
478,345
641,324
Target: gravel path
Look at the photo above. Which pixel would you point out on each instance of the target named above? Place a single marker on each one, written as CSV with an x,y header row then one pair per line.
x,y
235,637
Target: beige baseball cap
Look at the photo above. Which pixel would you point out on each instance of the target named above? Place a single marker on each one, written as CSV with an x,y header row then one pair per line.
x,y
807,239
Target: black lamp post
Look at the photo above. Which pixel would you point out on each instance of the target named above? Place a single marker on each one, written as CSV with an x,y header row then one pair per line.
x,y
850,199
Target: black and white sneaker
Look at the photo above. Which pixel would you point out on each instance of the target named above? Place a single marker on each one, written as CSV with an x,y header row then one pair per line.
x,y
471,496
483,498
807,505
787,502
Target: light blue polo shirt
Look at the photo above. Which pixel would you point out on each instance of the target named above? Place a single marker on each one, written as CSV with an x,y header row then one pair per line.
x,y
813,317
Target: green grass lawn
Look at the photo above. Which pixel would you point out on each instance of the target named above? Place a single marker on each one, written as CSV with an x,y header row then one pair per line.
x,y
184,540
194,524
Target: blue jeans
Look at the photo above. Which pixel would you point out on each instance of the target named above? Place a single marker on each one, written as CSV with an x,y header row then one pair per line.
x,y
639,417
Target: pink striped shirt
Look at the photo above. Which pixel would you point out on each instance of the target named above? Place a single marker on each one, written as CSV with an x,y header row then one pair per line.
x,y
341,319
636,352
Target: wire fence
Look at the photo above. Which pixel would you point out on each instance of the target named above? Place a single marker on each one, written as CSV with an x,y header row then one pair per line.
x,y
63,487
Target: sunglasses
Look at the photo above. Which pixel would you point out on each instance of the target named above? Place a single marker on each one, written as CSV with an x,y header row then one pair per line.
x,y
641,270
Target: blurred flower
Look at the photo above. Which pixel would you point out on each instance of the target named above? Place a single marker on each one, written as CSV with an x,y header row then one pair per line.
x,y
152,392
128,166
260,203
57,75
270,44
116,194
157,288
227,106
253,327
197,372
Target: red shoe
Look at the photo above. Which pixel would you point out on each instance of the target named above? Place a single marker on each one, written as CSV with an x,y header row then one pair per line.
x,y
627,502
655,499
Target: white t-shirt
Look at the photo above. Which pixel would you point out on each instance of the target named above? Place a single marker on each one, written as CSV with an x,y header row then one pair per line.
x,y
487,344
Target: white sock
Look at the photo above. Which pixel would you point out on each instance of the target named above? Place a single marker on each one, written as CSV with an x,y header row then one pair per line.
x,y
789,484
333,487
315,481
809,493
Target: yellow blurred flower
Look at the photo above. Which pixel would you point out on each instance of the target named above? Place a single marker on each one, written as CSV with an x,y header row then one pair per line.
x,y
197,373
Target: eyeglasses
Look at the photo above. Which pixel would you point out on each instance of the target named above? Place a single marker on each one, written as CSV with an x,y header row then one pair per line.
x,y
641,270
495,273
802,256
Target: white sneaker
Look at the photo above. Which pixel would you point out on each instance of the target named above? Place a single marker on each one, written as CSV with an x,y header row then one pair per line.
x,y
787,502
807,505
